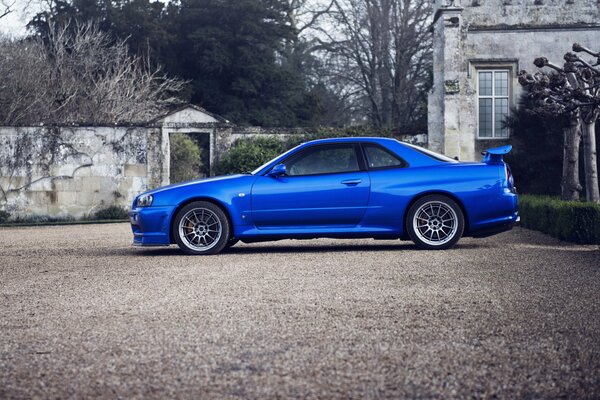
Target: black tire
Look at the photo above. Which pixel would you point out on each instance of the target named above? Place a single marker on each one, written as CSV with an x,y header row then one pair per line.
x,y
430,216
193,235
231,243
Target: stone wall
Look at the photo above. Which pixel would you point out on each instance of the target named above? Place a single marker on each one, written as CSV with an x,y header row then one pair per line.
x,y
75,171
72,172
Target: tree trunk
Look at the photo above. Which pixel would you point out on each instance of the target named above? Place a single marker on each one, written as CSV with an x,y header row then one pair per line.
x,y
570,186
589,161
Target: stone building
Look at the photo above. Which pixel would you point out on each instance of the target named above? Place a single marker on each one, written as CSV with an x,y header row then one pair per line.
x,y
478,48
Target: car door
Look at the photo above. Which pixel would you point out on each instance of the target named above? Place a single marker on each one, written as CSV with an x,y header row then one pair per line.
x,y
324,186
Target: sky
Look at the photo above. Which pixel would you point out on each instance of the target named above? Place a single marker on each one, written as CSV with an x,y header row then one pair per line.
x,y
23,10
14,23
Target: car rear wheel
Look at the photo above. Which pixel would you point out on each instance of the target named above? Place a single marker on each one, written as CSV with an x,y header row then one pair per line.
x,y
201,227
435,222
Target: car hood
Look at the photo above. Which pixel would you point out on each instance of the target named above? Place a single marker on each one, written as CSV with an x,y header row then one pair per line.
x,y
197,182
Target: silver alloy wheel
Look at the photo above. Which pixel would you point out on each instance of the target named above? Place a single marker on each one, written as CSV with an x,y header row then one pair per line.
x,y
435,223
200,229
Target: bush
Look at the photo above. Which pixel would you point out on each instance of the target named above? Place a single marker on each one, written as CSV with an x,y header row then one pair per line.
x,y
249,154
537,156
40,219
573,221
4,216
111,212
185,158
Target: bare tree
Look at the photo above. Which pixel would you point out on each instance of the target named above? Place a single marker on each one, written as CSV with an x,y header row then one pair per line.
x,y
79,76
545,89
303,15
585,78
6,7
382,50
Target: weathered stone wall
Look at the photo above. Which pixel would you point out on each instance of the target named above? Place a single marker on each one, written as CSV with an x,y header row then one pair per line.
x,y
506,34
75,171
529,13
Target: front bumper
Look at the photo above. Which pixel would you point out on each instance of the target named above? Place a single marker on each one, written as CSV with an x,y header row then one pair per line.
x,y
151,226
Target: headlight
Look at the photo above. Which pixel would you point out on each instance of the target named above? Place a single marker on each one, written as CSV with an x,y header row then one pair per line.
x,y
145,200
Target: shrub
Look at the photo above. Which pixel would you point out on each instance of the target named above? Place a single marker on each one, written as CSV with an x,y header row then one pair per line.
x,y
185,158
41,219
4,216
248,154
573,221
111,212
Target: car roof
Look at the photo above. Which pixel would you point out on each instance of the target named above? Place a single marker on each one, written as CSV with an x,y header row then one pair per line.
x,y
410,153
373,139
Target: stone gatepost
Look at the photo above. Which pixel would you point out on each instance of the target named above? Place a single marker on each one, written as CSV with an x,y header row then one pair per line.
x,y
445,98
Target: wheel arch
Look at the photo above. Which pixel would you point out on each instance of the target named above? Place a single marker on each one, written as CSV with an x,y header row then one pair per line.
x,y
451,196
212,200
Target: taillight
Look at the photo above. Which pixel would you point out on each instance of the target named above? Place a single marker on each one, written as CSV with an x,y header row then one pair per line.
x,y
510,179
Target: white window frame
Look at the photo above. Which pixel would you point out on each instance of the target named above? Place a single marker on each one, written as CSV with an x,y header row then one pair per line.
x,y
493,96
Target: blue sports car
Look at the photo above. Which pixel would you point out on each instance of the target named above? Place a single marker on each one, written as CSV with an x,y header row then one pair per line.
x,y
338,188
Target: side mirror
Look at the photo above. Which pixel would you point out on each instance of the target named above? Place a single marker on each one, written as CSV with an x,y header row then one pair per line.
x,y
278,170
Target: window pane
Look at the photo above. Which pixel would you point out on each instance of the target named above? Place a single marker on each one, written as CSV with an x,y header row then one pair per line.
x,y
501,83
485,83
500,113
485,117
325,160
379,158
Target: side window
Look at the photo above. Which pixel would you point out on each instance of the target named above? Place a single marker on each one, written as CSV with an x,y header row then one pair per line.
x,y
378,157
324,160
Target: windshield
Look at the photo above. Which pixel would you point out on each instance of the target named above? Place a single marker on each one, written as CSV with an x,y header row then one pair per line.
x,y
429,153
257,170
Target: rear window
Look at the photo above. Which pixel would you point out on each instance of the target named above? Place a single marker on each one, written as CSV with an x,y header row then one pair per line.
x,y
379,158
431,154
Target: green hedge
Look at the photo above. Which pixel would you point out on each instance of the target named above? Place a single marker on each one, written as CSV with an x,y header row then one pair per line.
x,y
248,154
112,212
573,221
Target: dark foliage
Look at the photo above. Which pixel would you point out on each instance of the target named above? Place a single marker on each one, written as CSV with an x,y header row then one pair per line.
x,y
248,154
573,221
536,159
111,212
232,53
185,162
537,156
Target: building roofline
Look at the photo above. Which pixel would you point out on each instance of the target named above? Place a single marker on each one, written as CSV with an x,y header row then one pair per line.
x,y
186,106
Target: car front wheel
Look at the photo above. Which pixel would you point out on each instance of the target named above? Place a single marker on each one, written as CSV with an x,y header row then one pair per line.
x,y
435,222
201,228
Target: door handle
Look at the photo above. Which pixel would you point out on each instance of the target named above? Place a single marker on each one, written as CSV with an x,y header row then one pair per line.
x,y
352,182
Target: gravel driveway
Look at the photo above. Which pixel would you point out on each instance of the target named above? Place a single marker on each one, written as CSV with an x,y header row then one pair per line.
x,y
84,314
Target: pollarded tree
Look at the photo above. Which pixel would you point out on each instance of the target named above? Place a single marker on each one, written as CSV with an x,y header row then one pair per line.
x,y
571,92
585,78
544,92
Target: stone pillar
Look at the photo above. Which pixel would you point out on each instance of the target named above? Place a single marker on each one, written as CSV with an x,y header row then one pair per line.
x,y
220,143
445,98
165,149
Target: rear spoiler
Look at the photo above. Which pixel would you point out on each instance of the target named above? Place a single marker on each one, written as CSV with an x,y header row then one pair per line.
x,y
495,155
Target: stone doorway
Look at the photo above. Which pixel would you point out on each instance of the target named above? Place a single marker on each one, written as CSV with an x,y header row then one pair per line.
x,y
189,156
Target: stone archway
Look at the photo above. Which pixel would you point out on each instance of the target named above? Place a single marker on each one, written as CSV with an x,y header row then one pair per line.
x,y
189,156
